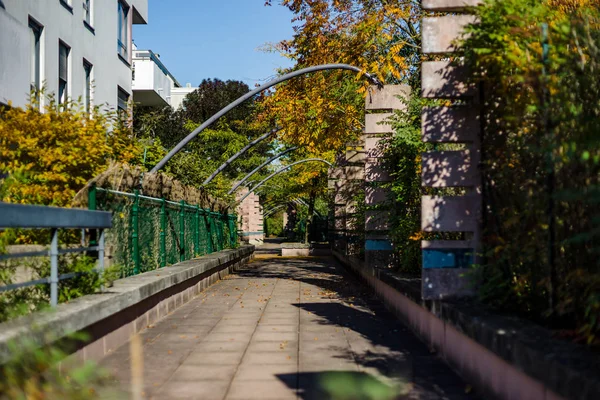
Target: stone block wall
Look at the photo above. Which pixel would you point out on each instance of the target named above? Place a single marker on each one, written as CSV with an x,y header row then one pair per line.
x,y
446,261
250,214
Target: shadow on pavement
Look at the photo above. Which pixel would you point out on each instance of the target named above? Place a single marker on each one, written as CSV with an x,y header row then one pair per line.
x,y
342,385
393,353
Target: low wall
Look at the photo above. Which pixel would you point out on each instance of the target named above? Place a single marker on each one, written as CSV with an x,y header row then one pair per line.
x,y
503,357
126,308
304,250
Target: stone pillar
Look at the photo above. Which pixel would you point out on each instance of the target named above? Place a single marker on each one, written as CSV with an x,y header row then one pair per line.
x,y
445,261
336,183
354,178
250,218
379,249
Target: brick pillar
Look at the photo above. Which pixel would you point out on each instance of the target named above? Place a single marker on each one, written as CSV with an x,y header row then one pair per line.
x,y
250,213
445,261
379,250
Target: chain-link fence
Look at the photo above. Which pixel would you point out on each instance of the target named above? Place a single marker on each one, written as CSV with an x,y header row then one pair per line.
x,y
150,233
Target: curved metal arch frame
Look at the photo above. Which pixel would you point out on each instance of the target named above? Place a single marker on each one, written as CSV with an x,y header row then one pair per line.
x,y
270,160
239,153
300,201
280,171
251,94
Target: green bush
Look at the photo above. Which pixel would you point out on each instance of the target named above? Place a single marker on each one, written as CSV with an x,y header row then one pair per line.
x,y
33,373
541,155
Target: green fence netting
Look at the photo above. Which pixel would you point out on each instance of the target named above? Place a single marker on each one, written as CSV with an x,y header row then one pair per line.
x,y
150,233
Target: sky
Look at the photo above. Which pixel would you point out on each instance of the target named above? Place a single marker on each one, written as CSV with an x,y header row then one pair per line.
x,y
199,39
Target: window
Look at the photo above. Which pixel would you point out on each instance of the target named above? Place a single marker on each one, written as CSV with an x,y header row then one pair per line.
x,y
123,33
63,73
87,11
122,101
87,88
67,4
35,34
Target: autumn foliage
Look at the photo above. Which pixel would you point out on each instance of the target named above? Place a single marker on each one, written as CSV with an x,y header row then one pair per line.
x,y
325,110
49,156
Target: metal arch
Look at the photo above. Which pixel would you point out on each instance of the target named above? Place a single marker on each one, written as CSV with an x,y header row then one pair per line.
x,y
280,171
272,210
251,94
275,157
301,200
298,202
239,153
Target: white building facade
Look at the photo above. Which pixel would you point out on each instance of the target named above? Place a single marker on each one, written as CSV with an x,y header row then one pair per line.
x,y
76,49
152,81
153,84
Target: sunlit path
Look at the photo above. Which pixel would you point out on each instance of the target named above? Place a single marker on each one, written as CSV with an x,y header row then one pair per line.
x,y
286,328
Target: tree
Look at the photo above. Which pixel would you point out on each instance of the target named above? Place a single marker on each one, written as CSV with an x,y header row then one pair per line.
x,y
160,129
325,110
211,96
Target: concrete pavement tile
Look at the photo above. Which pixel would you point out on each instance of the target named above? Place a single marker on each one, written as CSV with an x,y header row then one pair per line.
x,y
329,335
274,328
224,337
326,364
238,321
267,389
275,345
250,372
214,358
212,347
198,372
274,335
272,357
200,390
227,328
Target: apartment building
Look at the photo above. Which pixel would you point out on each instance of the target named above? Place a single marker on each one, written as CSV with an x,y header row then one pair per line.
x,y
153,84
73,48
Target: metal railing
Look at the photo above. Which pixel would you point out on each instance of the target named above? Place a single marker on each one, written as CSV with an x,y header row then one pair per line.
x,y
20,216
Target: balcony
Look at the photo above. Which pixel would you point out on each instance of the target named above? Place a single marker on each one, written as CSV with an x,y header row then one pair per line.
x,y
152,81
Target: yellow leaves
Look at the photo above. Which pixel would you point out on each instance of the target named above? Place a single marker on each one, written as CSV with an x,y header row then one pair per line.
x,y
325,110
53,154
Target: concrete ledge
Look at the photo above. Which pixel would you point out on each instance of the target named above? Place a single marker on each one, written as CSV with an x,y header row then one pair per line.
x,y
110,318
303,250
503,357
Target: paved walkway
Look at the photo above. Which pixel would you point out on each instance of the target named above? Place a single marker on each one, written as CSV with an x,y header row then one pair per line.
x,y
286,328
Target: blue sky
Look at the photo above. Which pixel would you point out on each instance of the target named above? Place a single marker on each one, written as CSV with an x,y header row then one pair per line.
x,y
199,39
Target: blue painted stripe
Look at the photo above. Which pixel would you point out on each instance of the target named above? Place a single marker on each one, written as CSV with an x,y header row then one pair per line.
x,y
378,245
447,258
251,233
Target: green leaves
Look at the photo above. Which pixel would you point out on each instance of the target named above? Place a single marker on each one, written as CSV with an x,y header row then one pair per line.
x,y
542,113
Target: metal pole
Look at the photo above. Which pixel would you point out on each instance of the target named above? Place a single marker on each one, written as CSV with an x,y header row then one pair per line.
x,y
275,157
101,255
135,234
197,231
92,205
251,94
280,171
163,233
54,268
239,153
207,222
182,231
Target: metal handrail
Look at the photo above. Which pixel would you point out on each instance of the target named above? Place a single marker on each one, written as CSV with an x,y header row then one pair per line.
x,y
39,217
